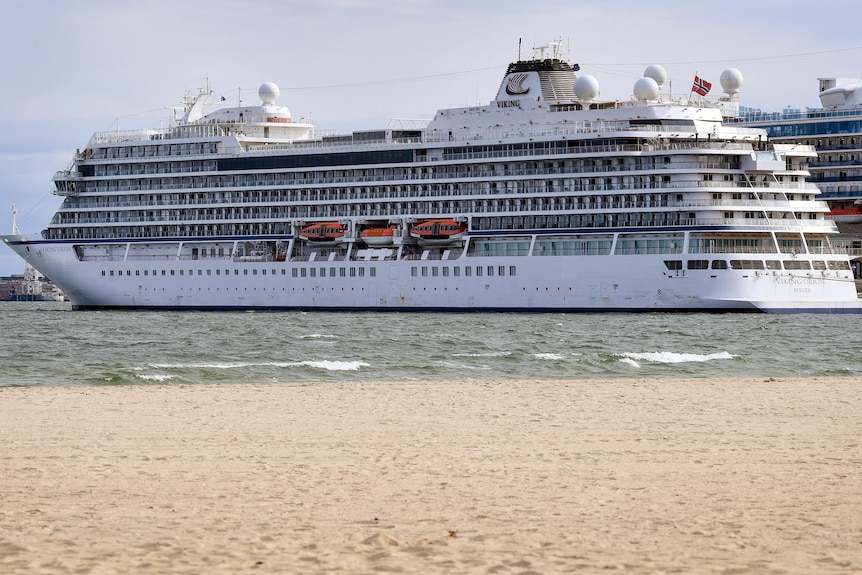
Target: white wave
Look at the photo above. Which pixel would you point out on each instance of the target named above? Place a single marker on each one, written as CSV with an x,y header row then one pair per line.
x,y
334,365
155,376
673,357
316,336
551,356
322,364
235,365
465,367
630,361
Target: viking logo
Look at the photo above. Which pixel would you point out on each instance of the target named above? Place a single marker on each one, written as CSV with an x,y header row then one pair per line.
x,y
514,87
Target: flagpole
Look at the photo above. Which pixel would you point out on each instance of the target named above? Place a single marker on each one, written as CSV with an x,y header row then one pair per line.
x,y
692,90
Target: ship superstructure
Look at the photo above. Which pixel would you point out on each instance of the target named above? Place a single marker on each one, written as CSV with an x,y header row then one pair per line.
x,y
548,198
835,130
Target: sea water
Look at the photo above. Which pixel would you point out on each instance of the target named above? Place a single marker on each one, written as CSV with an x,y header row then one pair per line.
x,y
46,343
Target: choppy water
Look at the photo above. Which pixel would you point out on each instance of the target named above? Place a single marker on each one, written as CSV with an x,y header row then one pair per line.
x,y
48,344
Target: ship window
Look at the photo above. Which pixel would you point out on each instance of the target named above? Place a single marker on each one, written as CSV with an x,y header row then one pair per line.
x,y
456,271
332,272
263,271
362,272
236,272
513,270
353,272
435,271
218,272
294,272
773,265
478,271
839,265
673,264
719,264
137,272
128,272
312,272
172,272
468,271
501,270
373,271
819,264
445,271
182,272
490,271
245,272
103,272
746,264
797,265
302,272
200,272
698,264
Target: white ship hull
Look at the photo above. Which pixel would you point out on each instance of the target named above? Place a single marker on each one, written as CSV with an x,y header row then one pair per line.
x,y
507,283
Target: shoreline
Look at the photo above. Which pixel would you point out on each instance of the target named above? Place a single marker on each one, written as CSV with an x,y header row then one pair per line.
x,y
698,475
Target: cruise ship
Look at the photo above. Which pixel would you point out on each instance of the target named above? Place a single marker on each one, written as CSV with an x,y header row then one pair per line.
x,y
548,198
835,130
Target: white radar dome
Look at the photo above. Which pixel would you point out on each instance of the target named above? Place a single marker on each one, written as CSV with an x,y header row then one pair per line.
x,y
657,73
587,88
268,93
731,81
646,89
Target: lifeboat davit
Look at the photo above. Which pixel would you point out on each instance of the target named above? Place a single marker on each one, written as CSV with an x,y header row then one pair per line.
x,y
378,236
322,232
438,231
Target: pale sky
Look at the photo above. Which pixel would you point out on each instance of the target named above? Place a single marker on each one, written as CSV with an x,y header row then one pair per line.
x,y
74,68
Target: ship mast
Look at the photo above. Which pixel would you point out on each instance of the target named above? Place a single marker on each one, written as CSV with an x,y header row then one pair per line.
x,y
15,214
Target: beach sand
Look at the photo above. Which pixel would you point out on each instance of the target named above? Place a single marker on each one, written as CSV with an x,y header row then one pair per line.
x,y
586,476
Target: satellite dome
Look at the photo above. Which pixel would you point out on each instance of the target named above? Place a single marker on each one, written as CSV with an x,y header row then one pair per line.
x,y
646,89
656,73
268,93
731,80
586,88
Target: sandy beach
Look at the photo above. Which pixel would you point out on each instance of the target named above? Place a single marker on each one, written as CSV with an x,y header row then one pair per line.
x,y
667,476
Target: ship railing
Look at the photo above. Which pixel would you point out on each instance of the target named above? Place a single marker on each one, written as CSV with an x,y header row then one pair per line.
x,y
843,192
546,220
128,136
758,116
672,146
505,205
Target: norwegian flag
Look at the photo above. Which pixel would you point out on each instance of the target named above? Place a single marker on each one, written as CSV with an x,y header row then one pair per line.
x,y
701,86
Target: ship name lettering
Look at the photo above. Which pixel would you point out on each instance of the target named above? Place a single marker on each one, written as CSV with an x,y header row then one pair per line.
x,y
800,281
509,104
57,249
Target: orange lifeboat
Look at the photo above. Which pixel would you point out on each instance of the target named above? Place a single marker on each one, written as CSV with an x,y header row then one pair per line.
x,y
438,231
846,215
322,232
378,236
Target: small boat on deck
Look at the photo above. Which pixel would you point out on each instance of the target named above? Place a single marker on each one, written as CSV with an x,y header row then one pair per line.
x,y
322,232
378,236
440,231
